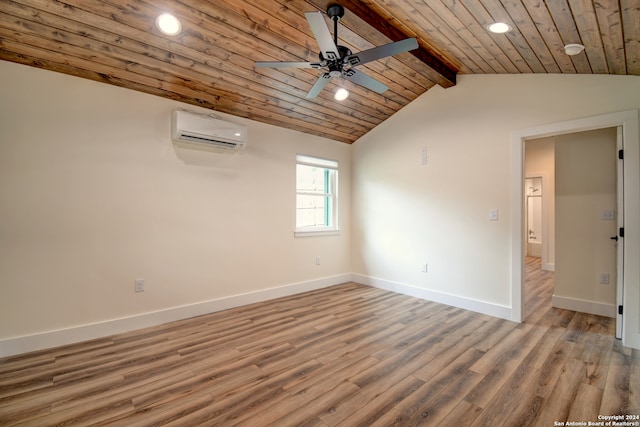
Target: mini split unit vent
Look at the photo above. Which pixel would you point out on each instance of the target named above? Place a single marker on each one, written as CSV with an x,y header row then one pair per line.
x,y
203,132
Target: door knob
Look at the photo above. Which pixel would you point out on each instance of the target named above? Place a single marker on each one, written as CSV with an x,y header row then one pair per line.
x,y
614,238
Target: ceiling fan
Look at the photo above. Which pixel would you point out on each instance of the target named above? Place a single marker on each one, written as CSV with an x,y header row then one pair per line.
x,y
339,60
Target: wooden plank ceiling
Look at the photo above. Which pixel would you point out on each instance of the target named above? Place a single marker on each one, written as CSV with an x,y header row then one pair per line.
x,y
211,63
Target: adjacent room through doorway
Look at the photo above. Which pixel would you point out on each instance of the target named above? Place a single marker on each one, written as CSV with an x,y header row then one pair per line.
x,y
569,217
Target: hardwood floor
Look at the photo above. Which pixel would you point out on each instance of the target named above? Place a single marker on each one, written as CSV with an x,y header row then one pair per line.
x,y
348,355
539,286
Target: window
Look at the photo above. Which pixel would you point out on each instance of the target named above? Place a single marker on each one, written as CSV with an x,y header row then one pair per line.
x,y
316,195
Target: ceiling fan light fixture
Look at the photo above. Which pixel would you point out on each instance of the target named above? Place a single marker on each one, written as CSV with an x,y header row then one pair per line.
x,y
499,27
168,24
341,94
339,61
573,49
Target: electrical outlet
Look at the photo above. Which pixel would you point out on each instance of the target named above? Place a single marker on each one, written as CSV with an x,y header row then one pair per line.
x,y
604,278
424,268
317,260
139,285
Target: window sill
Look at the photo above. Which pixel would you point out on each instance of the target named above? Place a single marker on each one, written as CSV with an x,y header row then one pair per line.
x,y
314,233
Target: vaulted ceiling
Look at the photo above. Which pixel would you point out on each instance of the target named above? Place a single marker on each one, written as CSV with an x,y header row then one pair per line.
x,y
211,63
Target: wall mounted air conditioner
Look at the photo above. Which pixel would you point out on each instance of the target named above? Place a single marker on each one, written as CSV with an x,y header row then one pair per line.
x,y
204,132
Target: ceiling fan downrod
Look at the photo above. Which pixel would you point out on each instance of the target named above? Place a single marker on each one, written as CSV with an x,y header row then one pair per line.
x,y
335,12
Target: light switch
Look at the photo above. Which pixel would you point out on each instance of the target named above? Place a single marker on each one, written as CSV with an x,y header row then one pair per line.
x,y
423,156
608,215
493,215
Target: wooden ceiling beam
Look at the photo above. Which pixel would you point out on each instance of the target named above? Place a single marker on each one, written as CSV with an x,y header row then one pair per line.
x,y
371,17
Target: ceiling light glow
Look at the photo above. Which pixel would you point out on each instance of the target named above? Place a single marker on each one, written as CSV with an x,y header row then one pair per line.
x,y
168,24
499,27
341,94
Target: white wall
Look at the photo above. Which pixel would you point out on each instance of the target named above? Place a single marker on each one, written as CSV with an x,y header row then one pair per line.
x,y
405,214
585,187
94,195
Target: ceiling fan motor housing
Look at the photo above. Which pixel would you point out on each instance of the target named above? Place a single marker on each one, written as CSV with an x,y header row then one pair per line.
x,y
343,51
336,66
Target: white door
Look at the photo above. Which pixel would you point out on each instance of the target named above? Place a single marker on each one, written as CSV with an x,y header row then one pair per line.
x,y
618,237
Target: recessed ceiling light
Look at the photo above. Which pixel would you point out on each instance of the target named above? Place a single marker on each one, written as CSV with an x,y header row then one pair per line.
x,y
499,27
341,94
168,24
573,49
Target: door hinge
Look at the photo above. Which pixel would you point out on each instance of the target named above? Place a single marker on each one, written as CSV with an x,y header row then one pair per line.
x,y
621,233
621,154
620,310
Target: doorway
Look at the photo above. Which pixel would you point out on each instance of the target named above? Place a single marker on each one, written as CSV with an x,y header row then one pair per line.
x,y
628,121
582,197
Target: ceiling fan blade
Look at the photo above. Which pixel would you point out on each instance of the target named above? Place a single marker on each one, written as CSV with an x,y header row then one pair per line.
x,y
381,52
364,80
319,85
285,64
323,36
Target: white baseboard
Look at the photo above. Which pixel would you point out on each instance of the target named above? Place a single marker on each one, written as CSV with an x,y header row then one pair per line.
x,y
584,306
483,307
49,339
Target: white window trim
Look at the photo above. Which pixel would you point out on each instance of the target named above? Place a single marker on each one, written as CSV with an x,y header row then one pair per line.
x,y
306,232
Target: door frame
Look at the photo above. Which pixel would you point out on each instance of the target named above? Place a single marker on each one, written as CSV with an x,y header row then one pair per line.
x,y
631,270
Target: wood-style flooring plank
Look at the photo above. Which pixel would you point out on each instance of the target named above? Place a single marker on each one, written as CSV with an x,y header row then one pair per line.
x,y
442,392
348,355
615,399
